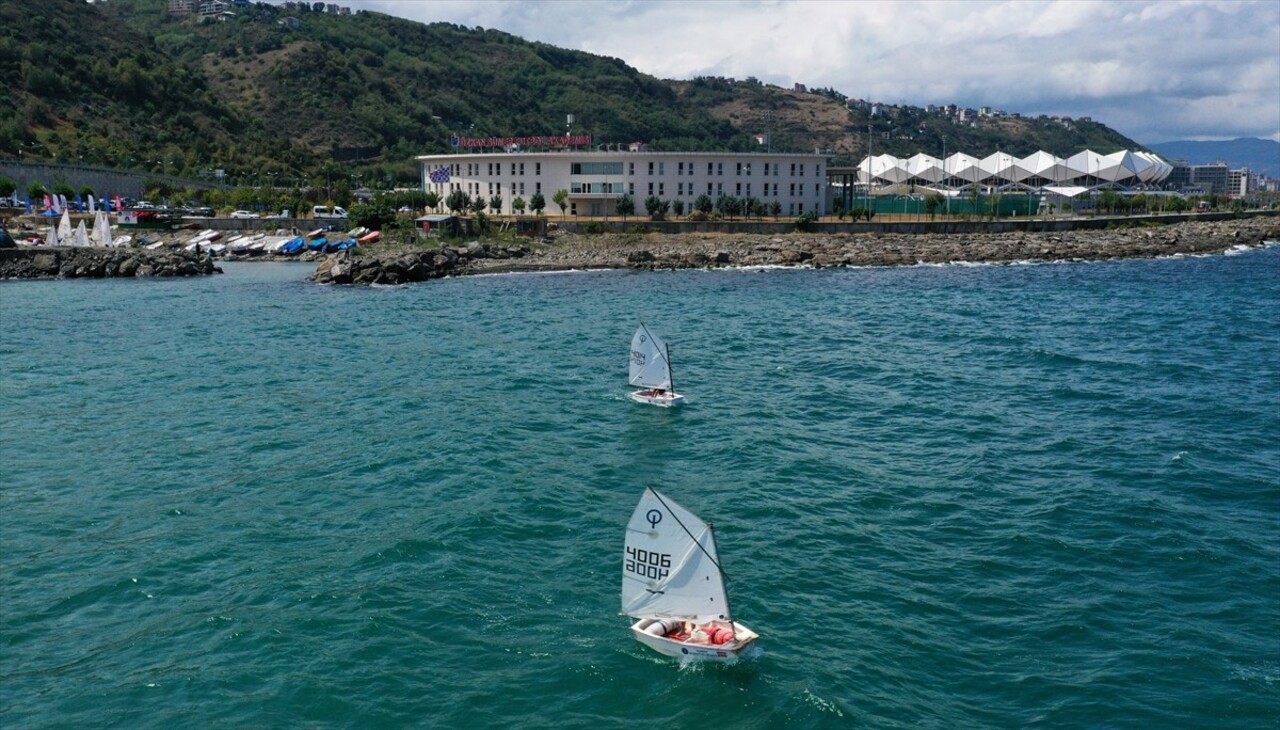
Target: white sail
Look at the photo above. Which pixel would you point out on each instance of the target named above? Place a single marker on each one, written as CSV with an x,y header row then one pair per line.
x,y
81,236
64,226
101,229
649,365
51,239
670,568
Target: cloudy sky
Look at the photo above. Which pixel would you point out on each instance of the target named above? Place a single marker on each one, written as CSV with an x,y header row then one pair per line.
x,y
1155,70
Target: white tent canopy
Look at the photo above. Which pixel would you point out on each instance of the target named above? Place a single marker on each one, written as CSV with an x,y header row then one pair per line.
x,y
1038,171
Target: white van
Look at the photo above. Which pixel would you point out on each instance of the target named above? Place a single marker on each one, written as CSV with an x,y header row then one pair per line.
x,y
322,211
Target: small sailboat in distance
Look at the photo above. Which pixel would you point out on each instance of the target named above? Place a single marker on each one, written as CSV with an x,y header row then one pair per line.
x,y
650,370
673,585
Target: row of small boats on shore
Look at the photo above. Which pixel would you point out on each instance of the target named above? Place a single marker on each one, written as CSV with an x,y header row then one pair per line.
x,y
212,242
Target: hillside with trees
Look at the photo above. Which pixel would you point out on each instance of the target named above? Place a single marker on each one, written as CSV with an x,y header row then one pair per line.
x,y
124,85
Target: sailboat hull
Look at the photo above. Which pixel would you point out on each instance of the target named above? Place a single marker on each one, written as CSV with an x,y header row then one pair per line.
x,y
663,400
696,646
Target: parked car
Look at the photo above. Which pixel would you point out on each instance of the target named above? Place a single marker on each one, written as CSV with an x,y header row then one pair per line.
x,y
324,211
243,214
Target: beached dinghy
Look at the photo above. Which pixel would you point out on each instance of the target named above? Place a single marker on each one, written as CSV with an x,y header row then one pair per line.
x,y
650,370
673,585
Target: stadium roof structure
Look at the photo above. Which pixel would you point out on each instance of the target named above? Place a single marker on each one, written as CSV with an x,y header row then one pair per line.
x,y
1001,172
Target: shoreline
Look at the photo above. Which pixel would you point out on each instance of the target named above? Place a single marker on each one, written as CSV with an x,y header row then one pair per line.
x,y
392,262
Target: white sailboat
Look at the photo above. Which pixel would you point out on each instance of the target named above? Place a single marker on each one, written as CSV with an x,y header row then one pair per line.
x,y
673,585
81,236
101,229
64,228
651,370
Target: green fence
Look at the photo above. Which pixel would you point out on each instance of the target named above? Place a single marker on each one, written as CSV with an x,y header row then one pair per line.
x,y
915,205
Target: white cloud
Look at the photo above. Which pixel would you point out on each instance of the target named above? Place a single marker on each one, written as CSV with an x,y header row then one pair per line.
x,y
1210,68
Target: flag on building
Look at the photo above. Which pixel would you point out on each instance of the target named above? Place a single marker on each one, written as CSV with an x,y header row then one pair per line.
x,y
440,175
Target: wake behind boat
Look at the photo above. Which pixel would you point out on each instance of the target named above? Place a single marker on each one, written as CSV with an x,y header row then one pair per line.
x,y
673,585
650,369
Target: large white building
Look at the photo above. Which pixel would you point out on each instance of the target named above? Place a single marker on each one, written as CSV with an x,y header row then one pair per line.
x,y
595,179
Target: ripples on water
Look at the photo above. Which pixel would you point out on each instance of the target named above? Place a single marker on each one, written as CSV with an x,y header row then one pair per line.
x,y
946,496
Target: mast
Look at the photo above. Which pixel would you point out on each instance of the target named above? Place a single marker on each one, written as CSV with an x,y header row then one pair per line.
x,y
724,581
670,375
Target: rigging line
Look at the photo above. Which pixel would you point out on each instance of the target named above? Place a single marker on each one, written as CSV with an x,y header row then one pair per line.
x,y
688,532
723,578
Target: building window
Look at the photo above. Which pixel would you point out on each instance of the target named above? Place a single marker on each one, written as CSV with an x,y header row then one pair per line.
x,y
793,169
766,169
522,188
709,189
513,169
748,189
680,169
793,190
521,169
651,168
801,169
748,169
710,169
719,190
662,189
595,168
537,168
631,169
737,191
631,189
662,168
739,169
720,168
651,188
537,187
679,188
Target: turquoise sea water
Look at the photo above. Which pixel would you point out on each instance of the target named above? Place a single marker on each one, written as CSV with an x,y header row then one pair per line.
x,y
995,496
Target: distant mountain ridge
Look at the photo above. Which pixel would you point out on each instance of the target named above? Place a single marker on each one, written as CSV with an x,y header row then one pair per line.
x,y
1261,156
351,99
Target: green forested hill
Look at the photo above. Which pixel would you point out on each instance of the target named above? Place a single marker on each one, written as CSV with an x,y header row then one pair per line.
x,y
119,83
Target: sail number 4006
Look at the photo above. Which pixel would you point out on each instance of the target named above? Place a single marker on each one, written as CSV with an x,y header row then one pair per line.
x,y
647,563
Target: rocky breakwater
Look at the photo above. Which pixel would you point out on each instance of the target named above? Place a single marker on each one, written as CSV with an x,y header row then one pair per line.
x,y
818,250
410,265
653,251
29,262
